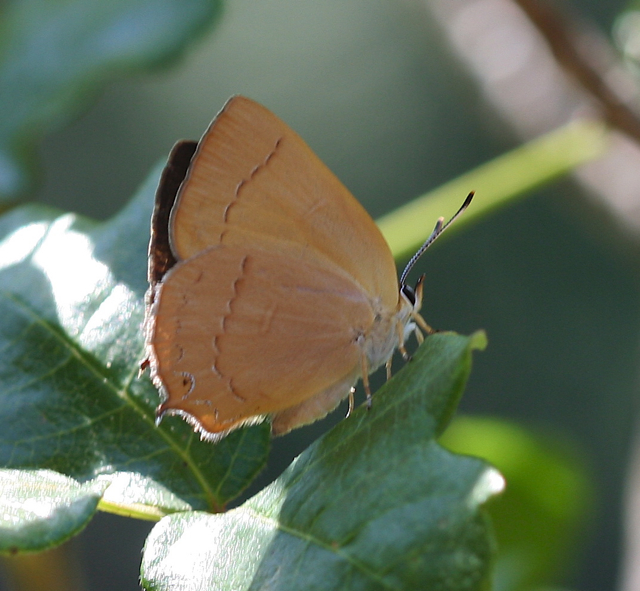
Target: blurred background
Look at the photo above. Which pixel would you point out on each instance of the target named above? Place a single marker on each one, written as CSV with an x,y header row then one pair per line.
x,y
398,97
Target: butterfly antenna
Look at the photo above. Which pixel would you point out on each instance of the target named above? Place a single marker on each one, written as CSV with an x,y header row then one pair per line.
x,y
439,229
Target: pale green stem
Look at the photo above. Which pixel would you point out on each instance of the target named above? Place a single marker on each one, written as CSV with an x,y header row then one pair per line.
x,y
135,511
495,183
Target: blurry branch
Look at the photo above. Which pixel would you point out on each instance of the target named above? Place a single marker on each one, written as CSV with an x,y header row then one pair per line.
x,y
587,56
538,73
630,565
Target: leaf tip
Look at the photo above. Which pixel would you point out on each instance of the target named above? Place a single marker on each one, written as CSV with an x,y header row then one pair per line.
x,y
478,340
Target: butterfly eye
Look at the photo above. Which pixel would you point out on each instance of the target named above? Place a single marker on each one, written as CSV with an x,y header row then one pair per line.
x,y
409,293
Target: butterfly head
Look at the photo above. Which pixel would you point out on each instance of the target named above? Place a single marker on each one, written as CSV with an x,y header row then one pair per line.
x,y
410,300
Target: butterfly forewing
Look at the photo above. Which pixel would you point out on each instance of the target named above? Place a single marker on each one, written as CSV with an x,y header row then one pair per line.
x,y
253,177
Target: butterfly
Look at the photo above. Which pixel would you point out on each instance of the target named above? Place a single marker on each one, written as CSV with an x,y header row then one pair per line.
x,y
272,291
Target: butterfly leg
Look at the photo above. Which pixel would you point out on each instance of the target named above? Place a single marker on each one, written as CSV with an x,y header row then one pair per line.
x,y
313,408
351,402
419,320
401,347
365,377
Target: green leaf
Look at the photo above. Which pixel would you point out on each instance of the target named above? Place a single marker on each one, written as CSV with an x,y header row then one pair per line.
x,y
71,312
41,508
56,54
374,504
541,516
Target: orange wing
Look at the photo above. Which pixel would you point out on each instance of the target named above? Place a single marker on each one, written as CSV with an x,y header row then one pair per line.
x,y
253,178
241,333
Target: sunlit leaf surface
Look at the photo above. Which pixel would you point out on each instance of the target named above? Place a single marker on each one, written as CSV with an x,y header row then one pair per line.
x,y
71,311
374,504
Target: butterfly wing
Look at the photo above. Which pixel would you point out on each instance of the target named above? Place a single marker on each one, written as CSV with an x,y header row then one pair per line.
x,y
161,257
242,332
253,179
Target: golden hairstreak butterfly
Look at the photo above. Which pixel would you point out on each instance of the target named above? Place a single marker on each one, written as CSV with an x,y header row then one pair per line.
x,y
272,289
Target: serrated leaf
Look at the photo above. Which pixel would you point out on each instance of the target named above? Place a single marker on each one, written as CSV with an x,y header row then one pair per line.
x,y
55,55
374,504
71,310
